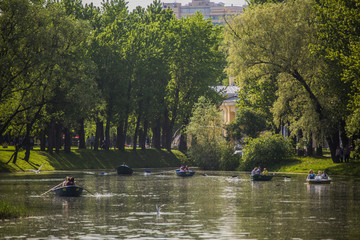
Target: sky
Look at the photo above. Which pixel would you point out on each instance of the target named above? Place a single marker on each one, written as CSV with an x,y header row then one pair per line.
x,y
144,3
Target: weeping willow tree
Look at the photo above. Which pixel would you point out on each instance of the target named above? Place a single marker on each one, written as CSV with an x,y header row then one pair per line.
x,y
273,42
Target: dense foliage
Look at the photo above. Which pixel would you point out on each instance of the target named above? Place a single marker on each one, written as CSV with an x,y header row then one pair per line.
x,y
65,66
296,61
209,149
248,123
266,151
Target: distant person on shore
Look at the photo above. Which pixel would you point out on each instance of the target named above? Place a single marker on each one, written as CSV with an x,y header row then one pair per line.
x,y
92,141
346,153
339,154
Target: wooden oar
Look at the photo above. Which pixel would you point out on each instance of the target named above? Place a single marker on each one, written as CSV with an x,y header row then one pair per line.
x,y
88,191
51,189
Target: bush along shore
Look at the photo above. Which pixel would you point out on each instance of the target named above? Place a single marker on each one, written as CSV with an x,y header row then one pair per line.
x,y
89,159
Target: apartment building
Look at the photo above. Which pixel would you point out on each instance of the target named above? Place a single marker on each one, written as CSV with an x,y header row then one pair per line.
x,y
215,11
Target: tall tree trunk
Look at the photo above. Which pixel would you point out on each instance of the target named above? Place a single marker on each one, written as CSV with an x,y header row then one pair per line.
x,y
165,128
120,138
183,136
169,130
142,137
333,141
51,136
97,135
15,154
183,143
156,134
58,139
319,150
82,140
136,133
29,126
107,134
42,140
300,148
67,142
27,142
309,147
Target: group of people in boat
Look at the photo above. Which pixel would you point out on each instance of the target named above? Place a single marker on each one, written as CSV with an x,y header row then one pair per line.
x,y
257,171
69,181
320,175
184,168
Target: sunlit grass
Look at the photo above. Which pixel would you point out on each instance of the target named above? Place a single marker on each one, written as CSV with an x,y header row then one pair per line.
x,y
89,159
304,164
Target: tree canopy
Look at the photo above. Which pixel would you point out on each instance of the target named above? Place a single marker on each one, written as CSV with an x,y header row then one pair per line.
x,y
272,51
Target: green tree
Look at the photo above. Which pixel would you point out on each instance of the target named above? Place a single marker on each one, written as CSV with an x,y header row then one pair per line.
x,y
339,32
248,123
209,149
266,151
274,40
195,64
205,128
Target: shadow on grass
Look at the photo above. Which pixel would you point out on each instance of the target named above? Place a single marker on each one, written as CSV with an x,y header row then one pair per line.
x,y
89,159
4,168
346,169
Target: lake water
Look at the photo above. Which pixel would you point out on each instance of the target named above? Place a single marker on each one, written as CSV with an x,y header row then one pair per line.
x,y
215,206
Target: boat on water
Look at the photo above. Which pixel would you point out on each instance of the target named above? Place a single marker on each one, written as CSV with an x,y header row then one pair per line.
x,y
68,191
318,181
261,177
184,173
124,170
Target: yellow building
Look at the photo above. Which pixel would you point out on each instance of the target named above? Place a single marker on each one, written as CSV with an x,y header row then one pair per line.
x,y
215,11
228,106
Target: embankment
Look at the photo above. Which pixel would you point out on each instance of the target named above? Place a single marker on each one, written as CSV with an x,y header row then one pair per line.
x,y
88,159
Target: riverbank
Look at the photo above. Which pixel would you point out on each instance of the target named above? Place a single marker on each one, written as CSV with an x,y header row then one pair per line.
x,y
88,159
304,164
150,158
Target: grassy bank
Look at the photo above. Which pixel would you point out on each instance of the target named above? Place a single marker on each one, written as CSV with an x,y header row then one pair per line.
x,y
88,159
304,164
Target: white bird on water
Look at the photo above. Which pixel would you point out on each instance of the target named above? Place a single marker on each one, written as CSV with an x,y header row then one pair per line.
x,y
158,209
38,171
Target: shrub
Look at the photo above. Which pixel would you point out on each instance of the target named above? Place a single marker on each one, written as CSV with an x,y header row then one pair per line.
x,y
265,151
206,157
229,161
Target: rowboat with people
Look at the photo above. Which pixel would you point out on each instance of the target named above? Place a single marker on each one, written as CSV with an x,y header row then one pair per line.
x,y
318,181
124,170
320,178
184,173
261,177
258,175
68,191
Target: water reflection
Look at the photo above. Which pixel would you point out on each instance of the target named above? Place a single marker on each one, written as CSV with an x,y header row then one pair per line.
x,y
209,206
